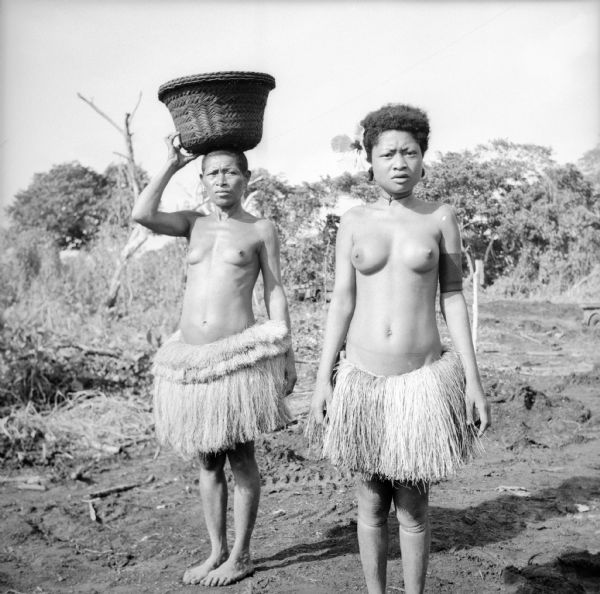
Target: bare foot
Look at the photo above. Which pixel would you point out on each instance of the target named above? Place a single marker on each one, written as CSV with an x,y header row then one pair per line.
x,y
233,570
194,575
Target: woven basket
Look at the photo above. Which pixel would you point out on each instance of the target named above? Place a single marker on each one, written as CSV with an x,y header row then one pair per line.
x,y
218,110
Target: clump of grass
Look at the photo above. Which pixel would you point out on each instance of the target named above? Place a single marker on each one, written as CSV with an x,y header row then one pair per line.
x,y
41,367
90,422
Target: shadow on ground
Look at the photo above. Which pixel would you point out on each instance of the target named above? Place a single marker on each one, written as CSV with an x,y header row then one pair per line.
x,y
495,520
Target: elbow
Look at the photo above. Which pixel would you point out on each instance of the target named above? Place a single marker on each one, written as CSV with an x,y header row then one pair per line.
x,y
343,304
140,212
137,216
275,298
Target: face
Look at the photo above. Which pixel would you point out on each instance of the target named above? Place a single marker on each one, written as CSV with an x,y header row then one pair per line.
x,y
397,162
223,179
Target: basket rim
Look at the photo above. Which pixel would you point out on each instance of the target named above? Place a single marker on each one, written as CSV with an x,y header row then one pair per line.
x,y
224,76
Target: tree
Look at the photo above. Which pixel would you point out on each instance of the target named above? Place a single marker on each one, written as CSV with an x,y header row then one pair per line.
x,y
589,165
139,234
70,202
520,212
298,213
120,191
473,189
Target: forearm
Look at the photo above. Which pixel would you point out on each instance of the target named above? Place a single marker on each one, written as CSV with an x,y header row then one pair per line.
x,y
277,309
277,306
454,310
336,329
146,207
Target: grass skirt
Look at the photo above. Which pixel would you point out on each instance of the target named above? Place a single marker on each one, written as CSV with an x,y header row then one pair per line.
x,y
207,398
409,428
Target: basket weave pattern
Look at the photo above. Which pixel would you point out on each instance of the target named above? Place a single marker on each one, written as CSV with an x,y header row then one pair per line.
x,y
218,110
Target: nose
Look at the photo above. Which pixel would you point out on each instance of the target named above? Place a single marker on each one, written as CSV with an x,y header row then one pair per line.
x,y
399,162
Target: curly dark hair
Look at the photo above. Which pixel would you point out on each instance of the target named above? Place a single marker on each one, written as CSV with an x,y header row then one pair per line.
x,y
240,157
395,116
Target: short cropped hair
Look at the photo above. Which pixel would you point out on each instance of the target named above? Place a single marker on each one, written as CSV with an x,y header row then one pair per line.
x,y
240,157
395,116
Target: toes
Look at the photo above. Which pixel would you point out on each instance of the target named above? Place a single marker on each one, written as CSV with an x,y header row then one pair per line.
x,y
193,576
190,579
216,580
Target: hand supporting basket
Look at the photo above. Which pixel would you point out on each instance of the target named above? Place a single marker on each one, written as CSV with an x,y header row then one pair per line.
x,y
218,110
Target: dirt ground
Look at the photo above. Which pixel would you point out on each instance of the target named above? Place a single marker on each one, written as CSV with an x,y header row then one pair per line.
x,y
523,518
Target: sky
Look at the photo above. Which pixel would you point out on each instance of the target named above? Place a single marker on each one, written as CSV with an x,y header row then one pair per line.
x,y
525,71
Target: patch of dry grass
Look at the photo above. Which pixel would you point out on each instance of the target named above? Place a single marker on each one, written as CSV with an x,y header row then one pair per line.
x,y
90,420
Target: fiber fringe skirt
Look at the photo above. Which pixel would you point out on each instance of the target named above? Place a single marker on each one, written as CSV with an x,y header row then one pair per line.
x,y
207,398
408,428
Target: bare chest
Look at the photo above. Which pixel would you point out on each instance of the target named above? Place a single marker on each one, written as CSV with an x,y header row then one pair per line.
x,y
409,245
232,244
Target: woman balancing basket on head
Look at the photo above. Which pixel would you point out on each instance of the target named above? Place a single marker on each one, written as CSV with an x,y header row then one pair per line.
x,y
400,414
221,378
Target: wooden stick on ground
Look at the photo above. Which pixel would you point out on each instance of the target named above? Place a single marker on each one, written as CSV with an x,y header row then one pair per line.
x,y
112,490
119,488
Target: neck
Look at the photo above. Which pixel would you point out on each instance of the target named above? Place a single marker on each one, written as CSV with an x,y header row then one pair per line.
x,y
390,199
228,213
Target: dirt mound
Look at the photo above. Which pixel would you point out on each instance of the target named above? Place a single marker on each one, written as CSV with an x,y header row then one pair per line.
x,y
575,572
533,417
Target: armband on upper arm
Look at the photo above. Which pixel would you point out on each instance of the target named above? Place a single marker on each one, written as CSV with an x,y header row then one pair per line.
x,y
450,272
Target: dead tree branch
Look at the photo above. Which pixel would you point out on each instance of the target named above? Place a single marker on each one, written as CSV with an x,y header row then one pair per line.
x,y
138,234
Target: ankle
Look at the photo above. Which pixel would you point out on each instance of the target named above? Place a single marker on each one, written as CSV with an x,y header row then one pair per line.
x,y
240,554
219,552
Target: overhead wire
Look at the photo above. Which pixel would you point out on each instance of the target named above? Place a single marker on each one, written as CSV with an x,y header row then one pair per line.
x,y
370,88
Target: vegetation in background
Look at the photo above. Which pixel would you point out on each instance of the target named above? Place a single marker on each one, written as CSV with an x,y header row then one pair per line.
x,y
71,202
535,224
526,217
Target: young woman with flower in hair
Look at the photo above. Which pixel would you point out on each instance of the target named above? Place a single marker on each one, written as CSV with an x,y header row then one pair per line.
x,y
399,411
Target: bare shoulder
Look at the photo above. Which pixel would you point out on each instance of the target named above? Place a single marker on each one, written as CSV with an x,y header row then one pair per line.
x,y
266,231
355,214
192,216
442,213
194,219
264,226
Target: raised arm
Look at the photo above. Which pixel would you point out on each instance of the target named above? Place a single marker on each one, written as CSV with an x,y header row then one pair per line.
x,y
145,211
275,299
454,310
341,308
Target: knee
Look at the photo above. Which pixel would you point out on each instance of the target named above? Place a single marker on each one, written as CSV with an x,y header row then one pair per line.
x,y
212,464
242,458
413,513
372,518
412,525
413,520
373,511
244,468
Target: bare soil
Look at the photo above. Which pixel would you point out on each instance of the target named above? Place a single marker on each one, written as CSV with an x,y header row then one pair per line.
x,y
523,518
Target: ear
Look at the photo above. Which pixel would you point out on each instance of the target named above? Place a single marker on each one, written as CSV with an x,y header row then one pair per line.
x,y
247,175
423,172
